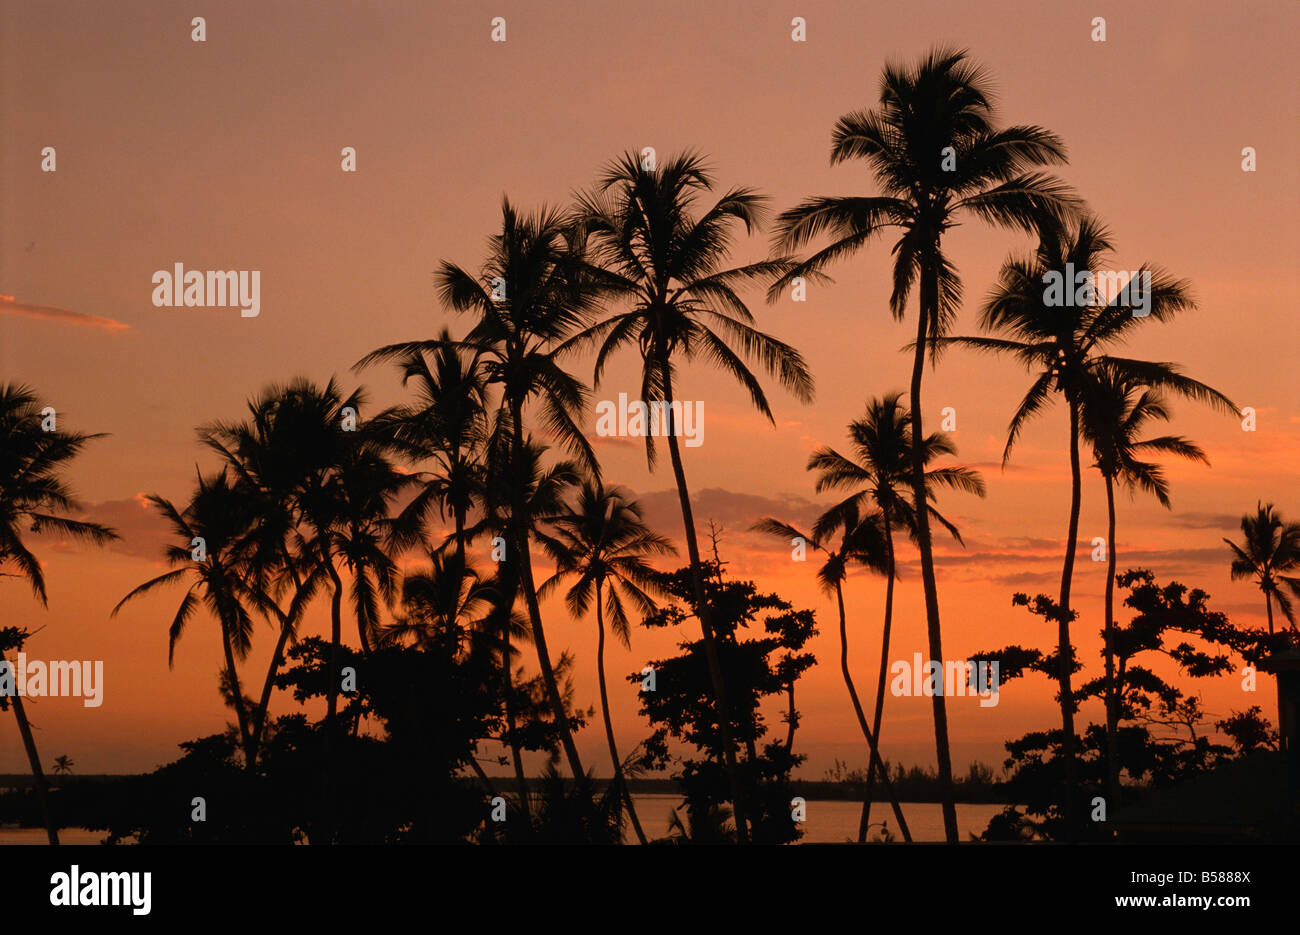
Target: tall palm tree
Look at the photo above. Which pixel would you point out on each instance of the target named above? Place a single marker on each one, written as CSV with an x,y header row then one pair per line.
x,y
878,470
33,498
528,298
602,540
668,264
861,539
1115,411
210,530
1269,547
1062,344
936,155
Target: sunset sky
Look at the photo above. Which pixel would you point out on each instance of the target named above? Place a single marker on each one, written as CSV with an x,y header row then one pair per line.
x,y
226,155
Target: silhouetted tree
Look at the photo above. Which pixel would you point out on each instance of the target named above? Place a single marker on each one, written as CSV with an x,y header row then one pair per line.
x,y
936,155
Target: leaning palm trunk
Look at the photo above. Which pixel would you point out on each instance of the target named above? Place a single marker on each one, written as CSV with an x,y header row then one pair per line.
x,y
277,660
862,718
38,775
620,783
929,305
288,623
865,822
525,565
1112,689
702,610
1063,623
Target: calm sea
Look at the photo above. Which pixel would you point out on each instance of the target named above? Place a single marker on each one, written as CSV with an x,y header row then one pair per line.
x,y
827,822
834,822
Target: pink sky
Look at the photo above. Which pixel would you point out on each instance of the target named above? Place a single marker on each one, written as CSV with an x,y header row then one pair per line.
x,y
225,155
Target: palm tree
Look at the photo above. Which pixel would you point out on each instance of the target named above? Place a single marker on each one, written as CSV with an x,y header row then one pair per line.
x,y
861,539
366,538
448,610
528,298
1269,548
281,450
286,458
446,607
33,497
447,425
63,765
519,484
602,540
879,469
1115,411
936,156
210,530
1063,344
669,265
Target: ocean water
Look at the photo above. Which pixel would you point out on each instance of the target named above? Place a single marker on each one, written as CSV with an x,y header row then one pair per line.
x,y
835,822
828,822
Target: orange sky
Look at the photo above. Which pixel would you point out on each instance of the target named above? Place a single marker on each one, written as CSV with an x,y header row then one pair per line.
x,y
225,155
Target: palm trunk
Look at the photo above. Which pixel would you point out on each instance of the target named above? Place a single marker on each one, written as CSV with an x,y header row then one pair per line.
x,y
331,703
362,633
521,781
865,822
525,565
241,715
1112,709
1063,647
277,659
862,718
929,306
477,768
287,625
620,783
791,721
509,590
702,611
34,759
336,639
460,538
1268,605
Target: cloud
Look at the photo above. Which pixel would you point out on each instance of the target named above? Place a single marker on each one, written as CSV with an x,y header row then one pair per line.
x,y
1223,521
1026,578
734,512
143,531
11,306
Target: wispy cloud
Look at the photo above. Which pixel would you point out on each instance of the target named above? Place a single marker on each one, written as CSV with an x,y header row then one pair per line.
x,y
11,306
142,530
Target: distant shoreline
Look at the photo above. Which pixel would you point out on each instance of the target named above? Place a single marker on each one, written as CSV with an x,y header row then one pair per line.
x,y
813,790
